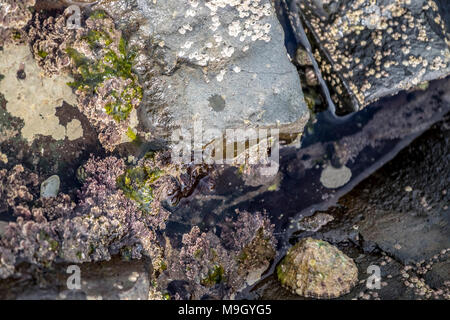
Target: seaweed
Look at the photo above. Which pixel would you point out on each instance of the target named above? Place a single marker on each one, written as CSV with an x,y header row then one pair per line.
x,y
115,62
136,183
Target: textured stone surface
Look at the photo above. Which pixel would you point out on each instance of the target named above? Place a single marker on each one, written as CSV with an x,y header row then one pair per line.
x,y
438,274
315,268
371,49
109,280
414,269
223,63
34,97
409,215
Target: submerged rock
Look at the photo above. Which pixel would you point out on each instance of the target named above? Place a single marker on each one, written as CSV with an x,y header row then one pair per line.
x,y
315,268
108,280
315,222
415,225
370,49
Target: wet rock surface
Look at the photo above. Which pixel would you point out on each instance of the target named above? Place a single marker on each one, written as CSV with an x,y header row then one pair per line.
x,y
382,222
378,134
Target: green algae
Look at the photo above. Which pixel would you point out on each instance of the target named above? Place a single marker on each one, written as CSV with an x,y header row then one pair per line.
x,y
132,135
116,62
215,276
98,14
42,54
136,183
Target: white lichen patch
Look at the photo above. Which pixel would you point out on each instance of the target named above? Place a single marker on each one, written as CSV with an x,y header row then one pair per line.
x,y
333,178
74,130
34,97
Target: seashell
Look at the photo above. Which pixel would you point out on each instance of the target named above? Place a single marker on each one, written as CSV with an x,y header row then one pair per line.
x,y
317,269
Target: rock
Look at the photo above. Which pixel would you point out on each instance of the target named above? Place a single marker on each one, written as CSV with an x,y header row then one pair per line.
x,y
315,268
372,49
333,178
364,144
110,280
224,66
50,187
34,95
439,274
411,226
114,280
315,222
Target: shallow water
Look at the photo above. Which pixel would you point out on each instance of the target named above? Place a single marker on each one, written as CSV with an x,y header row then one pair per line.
x,y
369,138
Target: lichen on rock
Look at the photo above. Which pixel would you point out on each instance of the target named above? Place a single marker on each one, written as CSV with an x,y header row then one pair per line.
x,y
34,97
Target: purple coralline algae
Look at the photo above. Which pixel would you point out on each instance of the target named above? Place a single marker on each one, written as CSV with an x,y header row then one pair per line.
x,y
220,266
102,222
14,16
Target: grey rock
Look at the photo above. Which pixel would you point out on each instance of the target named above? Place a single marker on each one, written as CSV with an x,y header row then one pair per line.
x,y
110,280
372,49
439,274
407,213
50,187
224,66
116,279
315,222
409,238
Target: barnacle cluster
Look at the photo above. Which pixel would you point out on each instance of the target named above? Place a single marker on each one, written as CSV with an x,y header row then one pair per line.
x,y
369,49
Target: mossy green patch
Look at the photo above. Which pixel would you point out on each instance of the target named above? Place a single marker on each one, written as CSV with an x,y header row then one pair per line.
x,y
136,183
281,275
16,35
116,62
215,276
42,54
